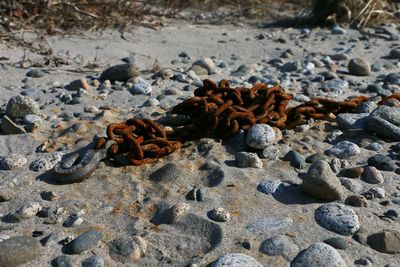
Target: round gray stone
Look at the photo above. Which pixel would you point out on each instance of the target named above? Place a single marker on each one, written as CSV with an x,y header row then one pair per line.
x,y
279,246
344,150
317,255
338,218
236,260
19,250
83,242
270,187
260,136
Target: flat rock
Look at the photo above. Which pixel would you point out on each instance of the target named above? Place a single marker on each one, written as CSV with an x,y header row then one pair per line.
x,y
319,254
320,182
236,260
19,250
387,241
10,127
338,218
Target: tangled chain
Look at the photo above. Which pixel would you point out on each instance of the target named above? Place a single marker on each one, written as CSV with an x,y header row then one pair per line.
x,y
219,110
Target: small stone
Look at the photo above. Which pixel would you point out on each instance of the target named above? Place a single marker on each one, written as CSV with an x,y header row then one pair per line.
x,y
31,119
385,122
6,194
9,127
337,86
270,152
236,260
395,53
12,162
141,87
78,84
46,162
93,261
260,136
20,106
291,66
338,30
382,162
219,215
356,201
28,211
63,261
338,218
48,195
387,241
351,184
127,249
271,187
19,250
279,246
79,128
320,182
392,78
296,159
121,72
375,192
247,159
35,73
372,176
344,150
205,63
374,146
177,212
348,121
319,254
337,242
83,242
359,67
354,172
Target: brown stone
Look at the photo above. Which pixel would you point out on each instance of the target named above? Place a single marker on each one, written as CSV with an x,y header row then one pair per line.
x,y
77,84
354,172
387,241
356,201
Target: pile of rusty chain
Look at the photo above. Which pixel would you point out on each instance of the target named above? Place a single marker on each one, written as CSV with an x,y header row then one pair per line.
x,y
221,111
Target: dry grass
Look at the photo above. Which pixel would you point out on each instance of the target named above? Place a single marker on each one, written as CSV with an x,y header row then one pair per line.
x,y
359,13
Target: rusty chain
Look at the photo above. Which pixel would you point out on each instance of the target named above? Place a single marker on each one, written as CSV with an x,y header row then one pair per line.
x,y
221,111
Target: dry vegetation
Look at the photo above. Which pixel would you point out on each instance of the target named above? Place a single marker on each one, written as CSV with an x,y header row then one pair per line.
x,y
64,15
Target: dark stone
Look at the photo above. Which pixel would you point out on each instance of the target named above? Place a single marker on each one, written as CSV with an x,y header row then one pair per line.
x,y
83,242
63,261
19,250
337,242
382,162
296,159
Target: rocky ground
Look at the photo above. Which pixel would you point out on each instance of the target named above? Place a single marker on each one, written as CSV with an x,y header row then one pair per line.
x,y
323,194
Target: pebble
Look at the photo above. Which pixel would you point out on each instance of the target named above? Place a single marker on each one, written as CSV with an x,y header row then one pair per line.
x,y
19,106
260,136
93,261
279,245
78,84
296,159
382,162
219,215
320,182
387,241
385,122
270,152
354,172
19,250
35,73
291,66
28,211
46,162
348,121
337,86
374,146
177,212
248,159
356,201
392,78
366,107
359,67
337,242
375,192
9,127
395,53
127,249
319,254
63,261
270,187
351,184
83,242
338,30
12,162
141,87
236,260
121,72
363,261
205,63
344,150
372,175
338,218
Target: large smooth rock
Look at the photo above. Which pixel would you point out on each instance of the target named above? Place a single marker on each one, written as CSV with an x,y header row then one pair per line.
x,y
385,122
320,182
19,250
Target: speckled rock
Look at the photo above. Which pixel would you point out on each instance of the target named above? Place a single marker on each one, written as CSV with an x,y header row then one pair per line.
x,y
344,150
141,87
219,215
20,106
236,260
351,184
19,250
372,175
260,136
317,255
338,218
127,249
270,187
46,162
320,182
356,201
247,159
13,161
